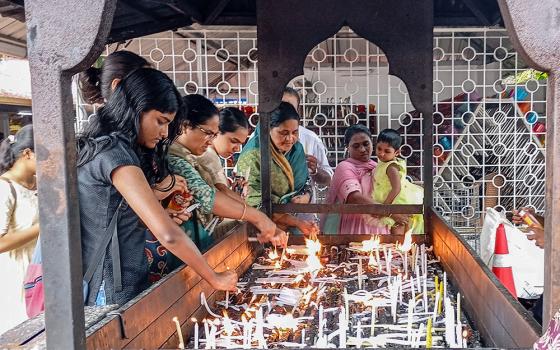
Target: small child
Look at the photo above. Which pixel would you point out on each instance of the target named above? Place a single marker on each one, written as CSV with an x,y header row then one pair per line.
x,y
390,185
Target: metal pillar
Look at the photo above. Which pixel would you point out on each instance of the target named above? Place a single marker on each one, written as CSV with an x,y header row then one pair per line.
x,y
287,30
534,29
64,37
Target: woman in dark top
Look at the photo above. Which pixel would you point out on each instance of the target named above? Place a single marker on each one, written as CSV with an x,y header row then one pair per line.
x,y
120,156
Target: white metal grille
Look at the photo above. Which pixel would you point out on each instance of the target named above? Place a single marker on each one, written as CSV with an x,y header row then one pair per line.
x,y
488,152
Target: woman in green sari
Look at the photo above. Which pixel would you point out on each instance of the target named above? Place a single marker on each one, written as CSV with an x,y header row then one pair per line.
x,y
289,175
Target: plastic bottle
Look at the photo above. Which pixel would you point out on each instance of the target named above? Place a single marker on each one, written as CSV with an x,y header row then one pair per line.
x,y
528,218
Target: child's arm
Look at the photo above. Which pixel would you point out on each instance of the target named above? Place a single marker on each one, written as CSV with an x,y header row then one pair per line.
x,y
395,179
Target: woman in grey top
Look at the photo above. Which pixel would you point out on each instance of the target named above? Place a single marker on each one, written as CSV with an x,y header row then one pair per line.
x,y
121,154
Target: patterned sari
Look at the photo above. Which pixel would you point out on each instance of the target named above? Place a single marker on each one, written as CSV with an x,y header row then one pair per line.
x,y
289,175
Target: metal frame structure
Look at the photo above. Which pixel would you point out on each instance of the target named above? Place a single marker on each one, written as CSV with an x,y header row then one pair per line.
x,y
55,56
535,34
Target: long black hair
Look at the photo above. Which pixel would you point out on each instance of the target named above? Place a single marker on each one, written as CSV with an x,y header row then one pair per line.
x,y
11,150
196,110
285,111
95,83
353,130
231,119
143,90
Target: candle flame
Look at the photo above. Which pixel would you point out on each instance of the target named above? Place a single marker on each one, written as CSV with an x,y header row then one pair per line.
x,y
193,320
273,255
407,244
313,247
371,261
371,244
313,263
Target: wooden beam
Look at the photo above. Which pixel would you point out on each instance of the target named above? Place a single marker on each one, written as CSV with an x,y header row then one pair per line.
x,y
215,8
134,30
144,310
185,7
381,209
142,10
500,318
478,9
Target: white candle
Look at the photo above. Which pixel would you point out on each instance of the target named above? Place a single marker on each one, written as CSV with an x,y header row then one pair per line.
x,y
459,335
179,333
359,334
342,321
206,334
458,309
425,295
195,332
303,338
400,285
359,272
346,306
320,320
406,264
412,290
388,259
213,337
378,260
373,316
418,285
445,284
227,299
409,319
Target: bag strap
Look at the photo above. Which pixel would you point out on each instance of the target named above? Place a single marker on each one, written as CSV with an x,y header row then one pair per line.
x,y
14,194
109,235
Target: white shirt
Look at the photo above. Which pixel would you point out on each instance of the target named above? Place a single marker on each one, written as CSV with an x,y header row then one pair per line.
x,y
13,264
313,145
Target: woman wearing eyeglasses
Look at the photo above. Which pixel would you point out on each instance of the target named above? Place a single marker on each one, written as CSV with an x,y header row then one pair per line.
x,y
289,175
199,123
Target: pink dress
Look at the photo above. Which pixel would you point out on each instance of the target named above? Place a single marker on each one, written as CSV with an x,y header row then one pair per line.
x,y
350,176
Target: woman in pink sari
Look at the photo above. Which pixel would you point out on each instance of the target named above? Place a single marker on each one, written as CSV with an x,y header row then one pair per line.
x,y
352,183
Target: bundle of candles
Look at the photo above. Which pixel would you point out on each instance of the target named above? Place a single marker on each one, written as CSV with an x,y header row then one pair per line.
x,y
366,294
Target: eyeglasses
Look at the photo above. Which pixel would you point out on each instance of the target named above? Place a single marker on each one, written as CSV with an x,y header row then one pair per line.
x,y
208,135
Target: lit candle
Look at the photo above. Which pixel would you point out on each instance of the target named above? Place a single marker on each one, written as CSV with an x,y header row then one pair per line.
x,y
193,320
465,334
179,333
227,299
445,284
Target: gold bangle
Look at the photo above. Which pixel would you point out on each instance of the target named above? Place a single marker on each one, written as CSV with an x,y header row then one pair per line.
x,y
244,212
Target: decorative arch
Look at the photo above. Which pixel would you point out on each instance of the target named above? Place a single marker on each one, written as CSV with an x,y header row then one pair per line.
x,y
288,30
